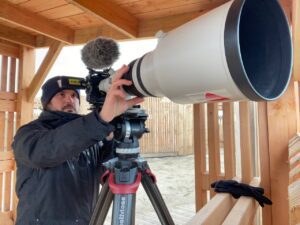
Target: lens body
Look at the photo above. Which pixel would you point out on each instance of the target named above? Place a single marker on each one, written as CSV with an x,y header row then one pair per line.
x,y
240,50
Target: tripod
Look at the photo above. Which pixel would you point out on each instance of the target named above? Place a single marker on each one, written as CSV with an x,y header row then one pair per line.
x,y
124,174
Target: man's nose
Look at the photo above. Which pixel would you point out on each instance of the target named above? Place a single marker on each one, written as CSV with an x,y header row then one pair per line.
x,y
69,99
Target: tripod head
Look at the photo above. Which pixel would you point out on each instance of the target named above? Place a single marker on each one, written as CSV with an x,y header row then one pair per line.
x,y
130,127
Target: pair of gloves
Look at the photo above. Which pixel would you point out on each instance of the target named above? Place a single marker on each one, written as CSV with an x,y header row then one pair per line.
x,y
237,190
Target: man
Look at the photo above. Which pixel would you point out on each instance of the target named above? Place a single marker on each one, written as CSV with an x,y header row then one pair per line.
x,y
59,155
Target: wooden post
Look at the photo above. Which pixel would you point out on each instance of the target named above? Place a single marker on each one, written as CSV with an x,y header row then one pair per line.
x,y
229,140
264,153
246,147
282,126
200,155
26,74
213,143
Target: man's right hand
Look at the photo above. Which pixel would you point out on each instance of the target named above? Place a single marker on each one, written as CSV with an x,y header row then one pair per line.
x,y
115,102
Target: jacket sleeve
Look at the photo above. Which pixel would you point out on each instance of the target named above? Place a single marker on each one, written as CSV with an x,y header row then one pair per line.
x,y
39,147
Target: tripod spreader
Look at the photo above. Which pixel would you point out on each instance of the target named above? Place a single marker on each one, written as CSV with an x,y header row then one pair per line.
x,y
121,181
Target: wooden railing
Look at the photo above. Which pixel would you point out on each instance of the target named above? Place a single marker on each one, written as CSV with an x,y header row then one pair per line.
x,y
226,146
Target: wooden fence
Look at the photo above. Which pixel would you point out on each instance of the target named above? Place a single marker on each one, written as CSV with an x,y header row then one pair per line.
x,y
8,97
170,125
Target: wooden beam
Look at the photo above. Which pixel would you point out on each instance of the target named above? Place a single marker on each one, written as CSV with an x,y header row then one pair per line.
x,y
31,21
296,38
44,69
16,36
112,14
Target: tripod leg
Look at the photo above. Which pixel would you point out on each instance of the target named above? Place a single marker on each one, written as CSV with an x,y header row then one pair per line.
x,y
102,206
156,200
124,209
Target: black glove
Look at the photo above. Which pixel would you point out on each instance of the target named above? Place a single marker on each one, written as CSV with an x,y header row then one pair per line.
x,y
237,190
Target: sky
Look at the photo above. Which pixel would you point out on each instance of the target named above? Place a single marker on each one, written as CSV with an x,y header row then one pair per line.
x,y
69,61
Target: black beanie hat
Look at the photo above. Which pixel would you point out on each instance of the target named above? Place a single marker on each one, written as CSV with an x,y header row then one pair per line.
x,y
57,84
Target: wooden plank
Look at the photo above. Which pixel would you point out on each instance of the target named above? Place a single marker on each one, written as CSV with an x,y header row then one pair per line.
x,y
244,210
215,211
26,19
7,106
16,36
61,12
84,35
9,49
6,218
149,27
8,95
44,69
39,6
7,166
158,8
282,127
4,67
294,201
112,14
213,143
229,140
7,155
264,154
9,188
246,148
199,155
296,39
82,21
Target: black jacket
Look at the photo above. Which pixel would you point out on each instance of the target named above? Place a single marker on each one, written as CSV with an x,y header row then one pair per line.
x,y
58,160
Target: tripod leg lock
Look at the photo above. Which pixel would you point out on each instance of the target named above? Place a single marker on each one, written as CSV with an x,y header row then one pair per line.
x,y
124,188
150,174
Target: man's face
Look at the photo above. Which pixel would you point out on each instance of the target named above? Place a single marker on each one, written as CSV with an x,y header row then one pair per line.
x,y
65,101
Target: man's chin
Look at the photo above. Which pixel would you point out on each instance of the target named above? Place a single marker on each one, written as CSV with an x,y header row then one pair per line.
x,y
69,110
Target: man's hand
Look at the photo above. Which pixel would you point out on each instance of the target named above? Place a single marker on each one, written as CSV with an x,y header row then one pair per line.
x,y
115,102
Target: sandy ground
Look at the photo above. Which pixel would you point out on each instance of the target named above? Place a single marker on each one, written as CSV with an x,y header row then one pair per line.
x,y
175,180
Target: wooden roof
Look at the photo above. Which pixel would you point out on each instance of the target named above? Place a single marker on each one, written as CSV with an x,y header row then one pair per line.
x,y
35,22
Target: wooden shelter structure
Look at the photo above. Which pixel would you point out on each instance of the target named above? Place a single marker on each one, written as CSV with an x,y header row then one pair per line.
x,y
26,25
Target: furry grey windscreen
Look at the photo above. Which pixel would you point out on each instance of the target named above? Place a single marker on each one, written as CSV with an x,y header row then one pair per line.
x,y
100,53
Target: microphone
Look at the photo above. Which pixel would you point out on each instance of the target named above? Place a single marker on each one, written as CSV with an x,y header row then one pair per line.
x,y
100,53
